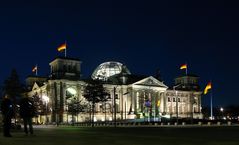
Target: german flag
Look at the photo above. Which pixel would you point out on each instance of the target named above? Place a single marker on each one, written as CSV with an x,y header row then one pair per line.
x,y
34,69
61,47
209,86
184,66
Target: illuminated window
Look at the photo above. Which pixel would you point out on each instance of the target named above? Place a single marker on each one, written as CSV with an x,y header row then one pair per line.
x,y
70,93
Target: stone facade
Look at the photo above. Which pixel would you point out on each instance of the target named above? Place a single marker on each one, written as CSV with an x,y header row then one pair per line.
x,y
143,97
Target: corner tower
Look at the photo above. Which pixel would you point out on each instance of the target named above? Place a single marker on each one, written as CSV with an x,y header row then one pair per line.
x,y
65,68
187,83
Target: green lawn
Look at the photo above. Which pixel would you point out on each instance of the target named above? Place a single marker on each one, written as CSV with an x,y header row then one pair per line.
x,y
126,136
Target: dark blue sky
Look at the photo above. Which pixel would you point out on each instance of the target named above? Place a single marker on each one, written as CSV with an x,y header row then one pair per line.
x,y
144,35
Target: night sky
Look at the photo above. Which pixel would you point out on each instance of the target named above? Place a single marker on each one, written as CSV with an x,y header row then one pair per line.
x,y
144,35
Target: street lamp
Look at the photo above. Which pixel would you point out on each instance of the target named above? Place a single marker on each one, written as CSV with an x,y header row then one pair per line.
x,y
221,109
176,93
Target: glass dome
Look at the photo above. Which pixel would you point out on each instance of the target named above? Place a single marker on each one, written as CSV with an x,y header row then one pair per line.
x,y
108,69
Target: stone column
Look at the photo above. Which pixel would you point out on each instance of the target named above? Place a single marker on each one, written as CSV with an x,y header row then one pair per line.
x,y
129,101
189,105
61,109
137,101
122,103
56,107
164,101
133,101
172,103
199,104
79,95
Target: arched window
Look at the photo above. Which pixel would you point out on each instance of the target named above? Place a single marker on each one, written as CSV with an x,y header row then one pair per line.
x,y
70,92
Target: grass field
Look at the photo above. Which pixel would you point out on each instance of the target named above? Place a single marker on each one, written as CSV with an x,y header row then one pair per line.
x,y
126,136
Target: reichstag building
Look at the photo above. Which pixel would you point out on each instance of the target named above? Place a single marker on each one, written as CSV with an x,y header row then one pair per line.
x,y
132,97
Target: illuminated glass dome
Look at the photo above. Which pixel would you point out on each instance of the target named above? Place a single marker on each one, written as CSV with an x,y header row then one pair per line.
x,y
108,69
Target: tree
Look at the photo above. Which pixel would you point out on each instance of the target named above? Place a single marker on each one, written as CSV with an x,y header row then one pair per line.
x,y
13,88
41,107
94,93
75,107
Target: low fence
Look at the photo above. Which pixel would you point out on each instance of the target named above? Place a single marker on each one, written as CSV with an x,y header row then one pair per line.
x,y
154,124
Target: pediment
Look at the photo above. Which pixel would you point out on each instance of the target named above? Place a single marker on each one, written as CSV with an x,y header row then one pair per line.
x,y
35,86
150,81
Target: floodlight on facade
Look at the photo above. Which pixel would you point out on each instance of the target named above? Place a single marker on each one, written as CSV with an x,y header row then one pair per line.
x,y
72,91
45,98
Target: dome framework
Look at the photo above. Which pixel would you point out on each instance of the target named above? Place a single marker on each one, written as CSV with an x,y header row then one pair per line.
x,y
108,69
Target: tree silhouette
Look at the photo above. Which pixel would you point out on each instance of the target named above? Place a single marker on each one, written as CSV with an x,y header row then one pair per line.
x,y
14,89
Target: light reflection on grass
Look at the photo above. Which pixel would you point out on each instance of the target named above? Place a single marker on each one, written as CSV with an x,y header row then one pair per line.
x,y
126,136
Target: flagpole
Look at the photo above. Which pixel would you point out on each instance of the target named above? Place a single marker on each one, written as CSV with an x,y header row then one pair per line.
x,y
36,70
65,52
211,105
65,49
186,69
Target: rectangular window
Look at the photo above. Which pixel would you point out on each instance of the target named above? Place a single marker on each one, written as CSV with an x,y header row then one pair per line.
x,y
179,100
174,99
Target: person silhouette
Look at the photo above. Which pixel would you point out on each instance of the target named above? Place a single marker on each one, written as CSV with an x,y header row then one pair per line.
x,y
27,111
7,113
